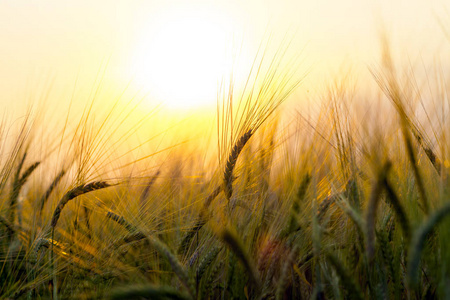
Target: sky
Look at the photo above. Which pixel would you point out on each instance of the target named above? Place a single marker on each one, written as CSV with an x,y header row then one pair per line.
x,y
176,52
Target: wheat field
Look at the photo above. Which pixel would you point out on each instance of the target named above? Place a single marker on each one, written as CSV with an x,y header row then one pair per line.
x,y
349,201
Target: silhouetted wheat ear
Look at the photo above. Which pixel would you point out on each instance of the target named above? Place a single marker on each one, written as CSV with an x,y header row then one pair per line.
x,y
149,185
419,240
375,195
236,246
231,163
324,205
121,220
398,209
73,193
203,218
174,262
351,287
284,276
206,261
50,189
426,148
18,183
419,180
184,246
9,227
135,233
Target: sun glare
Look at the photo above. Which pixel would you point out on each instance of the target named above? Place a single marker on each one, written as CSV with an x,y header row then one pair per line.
x,y
182,56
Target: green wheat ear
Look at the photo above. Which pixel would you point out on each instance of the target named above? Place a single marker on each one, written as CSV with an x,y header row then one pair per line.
x,y
207,261
375,195
176,265
290,260
398,209
50,189
234,243
352,288
73,193
418,242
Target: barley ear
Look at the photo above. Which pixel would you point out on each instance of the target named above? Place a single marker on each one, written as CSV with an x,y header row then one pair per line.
x,y
146,191
425,145
50,189
293,224
18,183
207,287
419,180
372,209
231,163
184,246
418,242
324,205
121,221
73,193
176,265
232,241
207,261
398,209
386,251
347,281
284,273
135,234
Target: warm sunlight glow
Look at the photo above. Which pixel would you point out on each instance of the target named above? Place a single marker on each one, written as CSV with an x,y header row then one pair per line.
x,y
183,56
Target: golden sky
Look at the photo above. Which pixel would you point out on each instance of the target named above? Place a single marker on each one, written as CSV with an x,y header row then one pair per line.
x,y
175,52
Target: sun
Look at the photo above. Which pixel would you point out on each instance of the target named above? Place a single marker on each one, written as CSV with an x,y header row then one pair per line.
x,y
183,55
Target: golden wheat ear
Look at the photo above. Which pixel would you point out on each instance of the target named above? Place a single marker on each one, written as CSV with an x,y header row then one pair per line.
x,y
231,163
73,193
50,189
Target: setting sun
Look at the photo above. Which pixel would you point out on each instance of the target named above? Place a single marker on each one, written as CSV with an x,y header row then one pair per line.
x,y
182,56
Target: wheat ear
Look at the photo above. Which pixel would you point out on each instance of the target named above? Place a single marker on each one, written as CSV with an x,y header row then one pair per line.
x,y
236,246
50,189
176,265
207,261
285,273
348,282
135,233
418,242
231,163
149,185
73,193
398,209
372,209
18,183
201,221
